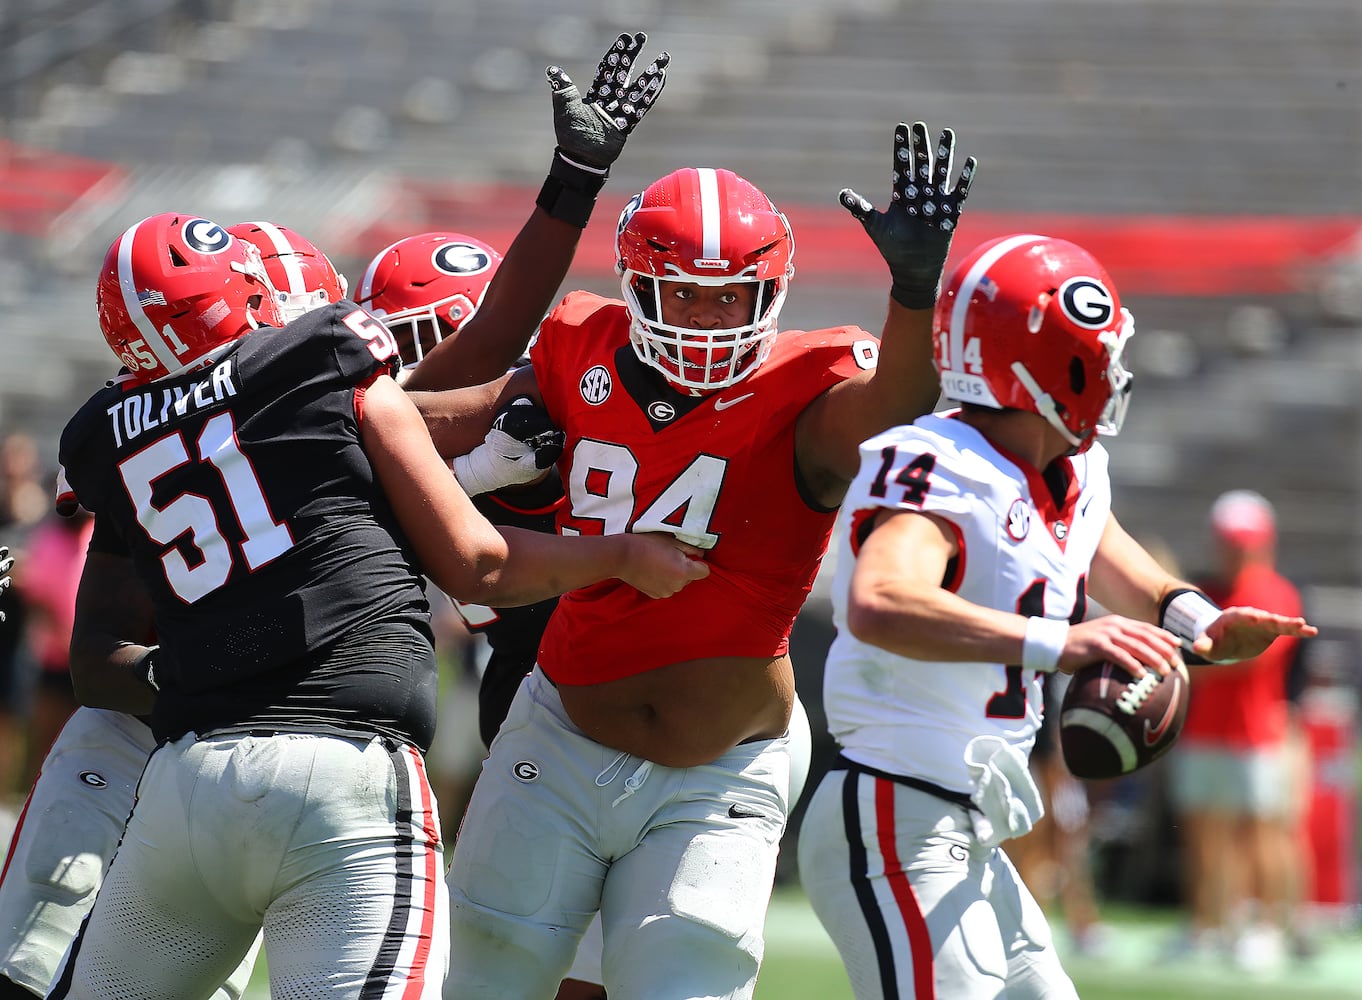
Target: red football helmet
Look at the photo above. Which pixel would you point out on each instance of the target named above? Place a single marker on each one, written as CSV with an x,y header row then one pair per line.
x,y
1034,323
303,277
176,287
425,287
706,227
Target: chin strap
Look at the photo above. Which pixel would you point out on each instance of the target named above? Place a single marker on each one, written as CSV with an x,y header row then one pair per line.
x,y
1045,405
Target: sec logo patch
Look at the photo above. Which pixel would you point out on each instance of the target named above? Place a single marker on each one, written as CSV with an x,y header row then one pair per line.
x,y
595,385
1018,520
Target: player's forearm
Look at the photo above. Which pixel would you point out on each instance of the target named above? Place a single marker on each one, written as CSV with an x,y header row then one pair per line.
x,y
538,566
108,673
936,625
458,419
905,382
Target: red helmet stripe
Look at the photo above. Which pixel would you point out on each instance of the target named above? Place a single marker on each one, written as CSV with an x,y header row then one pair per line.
x,y
133,303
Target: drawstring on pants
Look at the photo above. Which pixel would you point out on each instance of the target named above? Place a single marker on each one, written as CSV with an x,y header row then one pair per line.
x,y
631,784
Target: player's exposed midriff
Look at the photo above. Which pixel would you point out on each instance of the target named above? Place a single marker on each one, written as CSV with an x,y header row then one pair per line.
x,y
689,713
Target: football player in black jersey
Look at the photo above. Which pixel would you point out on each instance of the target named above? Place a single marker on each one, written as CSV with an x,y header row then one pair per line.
x,y
75,811
276,490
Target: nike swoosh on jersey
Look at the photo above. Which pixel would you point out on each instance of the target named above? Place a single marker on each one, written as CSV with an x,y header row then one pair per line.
x,y
723,404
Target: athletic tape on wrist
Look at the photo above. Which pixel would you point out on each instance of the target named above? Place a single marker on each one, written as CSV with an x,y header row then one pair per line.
x,y
1044,643
915,298
477,471
570,189
1187,613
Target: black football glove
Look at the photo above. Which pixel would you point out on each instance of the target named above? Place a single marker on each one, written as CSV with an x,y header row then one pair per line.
x,y
522,443
529,424
6,581
591,131
913,234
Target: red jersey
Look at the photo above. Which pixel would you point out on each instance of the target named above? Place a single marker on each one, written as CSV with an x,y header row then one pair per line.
x,y
1243,705
717,471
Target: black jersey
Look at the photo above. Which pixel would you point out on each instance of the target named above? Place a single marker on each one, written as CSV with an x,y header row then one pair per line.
x,y
512,633
284,590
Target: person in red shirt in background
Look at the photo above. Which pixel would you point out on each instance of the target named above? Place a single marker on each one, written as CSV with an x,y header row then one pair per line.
x,y
1237,776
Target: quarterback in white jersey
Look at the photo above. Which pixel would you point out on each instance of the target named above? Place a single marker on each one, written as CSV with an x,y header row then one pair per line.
x,y
1020,551
967,547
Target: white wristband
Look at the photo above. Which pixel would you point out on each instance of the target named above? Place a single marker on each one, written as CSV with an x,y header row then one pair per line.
x,y
1044,643
1188,615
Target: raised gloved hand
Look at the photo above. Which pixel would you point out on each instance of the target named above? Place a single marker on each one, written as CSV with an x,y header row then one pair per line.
x,y
591,130
6,581
521,445
913,234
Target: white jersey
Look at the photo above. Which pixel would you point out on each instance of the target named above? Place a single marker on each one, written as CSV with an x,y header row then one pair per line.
x,y
1019,551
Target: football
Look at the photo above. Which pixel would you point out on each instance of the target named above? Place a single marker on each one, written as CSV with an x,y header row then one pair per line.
x,y
1111,724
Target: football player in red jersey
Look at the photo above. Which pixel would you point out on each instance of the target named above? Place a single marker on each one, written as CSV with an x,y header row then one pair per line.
x,y
966,551
644,768
75,811
271,487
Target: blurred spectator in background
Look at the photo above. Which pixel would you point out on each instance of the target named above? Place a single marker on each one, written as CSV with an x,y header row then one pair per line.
x,y
23,502
1238,775
47,578
24,499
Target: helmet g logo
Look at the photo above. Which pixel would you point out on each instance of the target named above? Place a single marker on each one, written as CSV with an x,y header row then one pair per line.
x,y
461,258
205,236
1087,302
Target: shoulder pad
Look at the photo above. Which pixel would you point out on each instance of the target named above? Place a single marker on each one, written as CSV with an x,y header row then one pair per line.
x,y
342,338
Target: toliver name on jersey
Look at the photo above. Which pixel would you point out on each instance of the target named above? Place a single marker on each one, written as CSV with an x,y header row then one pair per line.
x,y
140,412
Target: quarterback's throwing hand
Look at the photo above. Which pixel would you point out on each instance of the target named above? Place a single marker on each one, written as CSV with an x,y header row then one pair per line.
x,y
913,234
591,130
1242,633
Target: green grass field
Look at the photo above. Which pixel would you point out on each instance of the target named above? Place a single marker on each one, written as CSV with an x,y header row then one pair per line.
x,y
801,964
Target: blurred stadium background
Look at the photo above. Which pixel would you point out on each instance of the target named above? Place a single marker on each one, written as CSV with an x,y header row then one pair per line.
x,y
1208,151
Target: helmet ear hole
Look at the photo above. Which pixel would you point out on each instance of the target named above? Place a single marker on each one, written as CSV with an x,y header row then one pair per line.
x,y
1078,376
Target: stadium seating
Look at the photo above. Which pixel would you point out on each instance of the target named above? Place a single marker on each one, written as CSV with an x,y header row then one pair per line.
x,y
331,116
